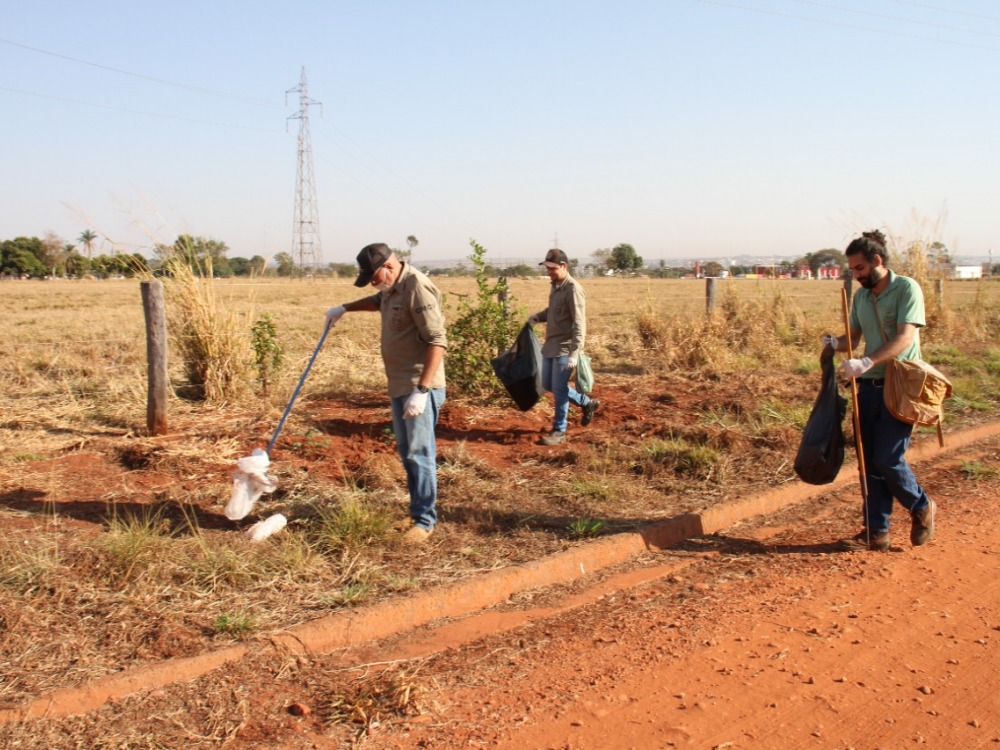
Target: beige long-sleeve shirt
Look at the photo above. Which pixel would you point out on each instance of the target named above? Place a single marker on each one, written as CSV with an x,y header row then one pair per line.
x,y
565,319
412,321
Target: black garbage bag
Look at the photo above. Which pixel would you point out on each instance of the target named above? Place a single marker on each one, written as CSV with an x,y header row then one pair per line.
x,y
520,369
821,452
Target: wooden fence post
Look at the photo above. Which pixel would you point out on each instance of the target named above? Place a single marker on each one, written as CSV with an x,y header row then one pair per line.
x,y
939,285
848,281
709,295
155,310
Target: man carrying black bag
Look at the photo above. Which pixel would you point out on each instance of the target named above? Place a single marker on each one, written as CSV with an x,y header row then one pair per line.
x,y
565,330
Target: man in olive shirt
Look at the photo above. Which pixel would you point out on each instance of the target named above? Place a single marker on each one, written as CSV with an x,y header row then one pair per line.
x,y
565,330
894,304
414,340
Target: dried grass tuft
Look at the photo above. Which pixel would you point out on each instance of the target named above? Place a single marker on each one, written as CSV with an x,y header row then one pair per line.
x,y
214,342
378,698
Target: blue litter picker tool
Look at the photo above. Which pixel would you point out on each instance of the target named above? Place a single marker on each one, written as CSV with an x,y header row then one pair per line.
x,y
251,480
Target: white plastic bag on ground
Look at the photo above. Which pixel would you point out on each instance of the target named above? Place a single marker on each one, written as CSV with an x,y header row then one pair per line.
x,y
250,481
264,529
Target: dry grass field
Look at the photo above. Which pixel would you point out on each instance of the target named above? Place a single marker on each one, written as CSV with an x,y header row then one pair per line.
x,y
115,552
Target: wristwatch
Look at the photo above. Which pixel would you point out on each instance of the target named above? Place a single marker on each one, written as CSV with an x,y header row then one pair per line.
x,y
422,388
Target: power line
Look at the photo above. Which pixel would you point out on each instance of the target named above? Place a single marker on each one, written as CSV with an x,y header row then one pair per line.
x,y
845,25
136,111
141,76
946,10
415,193
886,17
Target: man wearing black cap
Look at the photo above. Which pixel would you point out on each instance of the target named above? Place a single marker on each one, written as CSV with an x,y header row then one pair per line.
x,y
565,330
414,340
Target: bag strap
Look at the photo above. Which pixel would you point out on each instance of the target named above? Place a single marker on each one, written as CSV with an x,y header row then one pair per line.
x,y
878,317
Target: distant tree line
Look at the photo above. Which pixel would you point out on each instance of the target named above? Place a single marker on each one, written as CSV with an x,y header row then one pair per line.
x,y
32,257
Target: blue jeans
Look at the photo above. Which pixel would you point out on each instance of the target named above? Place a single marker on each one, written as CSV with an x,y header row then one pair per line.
x,y
555,379
416,445
885,440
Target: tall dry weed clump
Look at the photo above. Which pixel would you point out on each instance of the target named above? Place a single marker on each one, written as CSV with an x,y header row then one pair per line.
x,y
919,252
212,340
738,332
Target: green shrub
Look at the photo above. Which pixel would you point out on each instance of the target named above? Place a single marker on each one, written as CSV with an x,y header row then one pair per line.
x,y
268,354
485,327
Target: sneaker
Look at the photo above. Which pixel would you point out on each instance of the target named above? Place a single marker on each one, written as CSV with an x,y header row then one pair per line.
x,y
416,535
589,410
922,528
555,437
861,541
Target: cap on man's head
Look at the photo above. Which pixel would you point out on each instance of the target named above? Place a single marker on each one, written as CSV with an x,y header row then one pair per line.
x,y
554,258
370,259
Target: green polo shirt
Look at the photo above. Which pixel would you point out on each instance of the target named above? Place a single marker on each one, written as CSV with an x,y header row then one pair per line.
x,y
902,301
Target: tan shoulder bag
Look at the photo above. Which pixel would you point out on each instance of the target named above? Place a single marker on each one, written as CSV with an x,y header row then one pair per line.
x,y
914,390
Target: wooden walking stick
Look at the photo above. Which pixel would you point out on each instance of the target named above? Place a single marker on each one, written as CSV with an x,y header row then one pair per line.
x,y
857,420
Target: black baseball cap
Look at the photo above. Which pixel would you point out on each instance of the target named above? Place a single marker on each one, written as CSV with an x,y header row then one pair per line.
x,y
370,259
554,257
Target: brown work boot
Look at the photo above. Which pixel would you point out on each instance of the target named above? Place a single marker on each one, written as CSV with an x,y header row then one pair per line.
x,y
416,535
556,437
863,541
922,528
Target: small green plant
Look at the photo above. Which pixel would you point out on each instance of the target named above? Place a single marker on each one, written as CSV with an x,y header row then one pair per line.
x,y
26,566
771,412
683,457
313,442
585,527
268,355
484,328
592,487
235,624
134,543
17,457
354,592
977,471
352,524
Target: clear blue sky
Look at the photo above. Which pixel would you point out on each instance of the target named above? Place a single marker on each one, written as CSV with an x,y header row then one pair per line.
x,y
687,128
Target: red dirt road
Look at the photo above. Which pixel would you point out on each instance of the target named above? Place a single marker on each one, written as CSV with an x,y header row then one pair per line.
x,y
760,636
767,639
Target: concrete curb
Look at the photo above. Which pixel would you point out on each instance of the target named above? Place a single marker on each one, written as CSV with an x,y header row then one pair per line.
x,y
458,599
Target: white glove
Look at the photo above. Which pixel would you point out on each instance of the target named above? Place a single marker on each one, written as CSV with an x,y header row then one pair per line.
x,y
532,320
571,363
333,315
415,404
829,339
854,368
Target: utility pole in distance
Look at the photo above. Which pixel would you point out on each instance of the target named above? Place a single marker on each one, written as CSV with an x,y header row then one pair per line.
x,y
306,248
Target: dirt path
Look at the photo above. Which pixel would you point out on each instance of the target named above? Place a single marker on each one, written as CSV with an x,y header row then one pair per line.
x,y
761,636
767,639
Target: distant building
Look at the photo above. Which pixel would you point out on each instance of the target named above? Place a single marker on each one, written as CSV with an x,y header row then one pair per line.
x,y
967,272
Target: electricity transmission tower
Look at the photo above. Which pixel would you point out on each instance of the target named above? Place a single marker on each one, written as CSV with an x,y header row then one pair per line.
x,y
306,248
